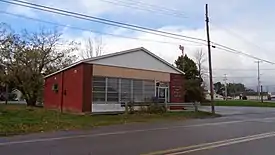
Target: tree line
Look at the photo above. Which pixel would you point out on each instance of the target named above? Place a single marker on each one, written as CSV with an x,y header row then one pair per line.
x,y
233,89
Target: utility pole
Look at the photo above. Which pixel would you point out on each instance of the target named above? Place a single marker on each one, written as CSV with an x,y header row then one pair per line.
x,y
262,99
225,86
182,54
259,82
7,93
209,59
234,89
6,87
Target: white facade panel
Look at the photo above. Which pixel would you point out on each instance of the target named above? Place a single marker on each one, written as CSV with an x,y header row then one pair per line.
x,y
137,60
107,108
101,108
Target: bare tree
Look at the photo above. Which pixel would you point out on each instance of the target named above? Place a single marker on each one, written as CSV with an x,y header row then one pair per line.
x,y
30,55
200,59
93,47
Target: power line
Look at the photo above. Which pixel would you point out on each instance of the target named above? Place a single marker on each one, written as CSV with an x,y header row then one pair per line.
x,y
115,35
89,30
147,8
231,50
96,19
240,69
235,77
238,52
157,6
126,26
239,37
244,77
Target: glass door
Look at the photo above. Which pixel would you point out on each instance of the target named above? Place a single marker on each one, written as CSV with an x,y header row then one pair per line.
x,y
162,94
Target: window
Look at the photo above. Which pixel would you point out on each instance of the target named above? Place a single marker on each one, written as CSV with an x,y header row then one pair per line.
x,y
55,87
137,91
149,90
125,94
112,91
99,86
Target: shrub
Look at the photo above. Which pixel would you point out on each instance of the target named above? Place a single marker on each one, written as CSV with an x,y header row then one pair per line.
x,y
143,109
268,97
130,108
244,98
156,108
151,108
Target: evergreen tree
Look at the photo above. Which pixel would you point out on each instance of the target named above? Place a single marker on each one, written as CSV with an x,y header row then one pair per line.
x,y
193,83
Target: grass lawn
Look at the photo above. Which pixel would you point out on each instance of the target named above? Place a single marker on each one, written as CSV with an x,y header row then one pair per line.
x,y
244,103
19,119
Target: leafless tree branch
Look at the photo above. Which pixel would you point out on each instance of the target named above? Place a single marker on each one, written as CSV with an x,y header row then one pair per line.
x,y
93,48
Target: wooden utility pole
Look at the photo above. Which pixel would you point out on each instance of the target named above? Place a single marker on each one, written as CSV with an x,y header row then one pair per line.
x,y
262,99
225,86
209,59
259,81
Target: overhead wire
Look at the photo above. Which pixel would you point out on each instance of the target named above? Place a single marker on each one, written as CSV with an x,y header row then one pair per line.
x,y
231,50
127,26
238,36
156,6
231,69
222,46
235,77
146,7
96,19
93,31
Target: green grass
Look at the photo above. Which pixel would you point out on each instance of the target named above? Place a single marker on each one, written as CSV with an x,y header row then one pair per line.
x,y
15,119
244,103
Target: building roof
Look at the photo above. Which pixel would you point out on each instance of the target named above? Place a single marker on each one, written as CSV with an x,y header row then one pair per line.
x,y
117,54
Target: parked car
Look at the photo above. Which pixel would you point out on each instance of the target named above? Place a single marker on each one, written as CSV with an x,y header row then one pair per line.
x,y
11,97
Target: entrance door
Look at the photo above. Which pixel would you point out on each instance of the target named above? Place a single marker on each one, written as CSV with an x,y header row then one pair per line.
x,y
162,94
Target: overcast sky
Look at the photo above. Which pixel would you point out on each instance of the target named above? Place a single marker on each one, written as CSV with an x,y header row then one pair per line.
x,y
246,25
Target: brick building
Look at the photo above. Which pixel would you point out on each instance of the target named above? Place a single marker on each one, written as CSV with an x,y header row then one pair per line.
x,y
105,83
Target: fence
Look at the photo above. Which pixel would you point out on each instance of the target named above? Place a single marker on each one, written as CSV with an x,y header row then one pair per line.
x,y
169,106
14,102
182,106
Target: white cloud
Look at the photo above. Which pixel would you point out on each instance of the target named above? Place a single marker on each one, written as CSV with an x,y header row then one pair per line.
x,y
221,59
247,18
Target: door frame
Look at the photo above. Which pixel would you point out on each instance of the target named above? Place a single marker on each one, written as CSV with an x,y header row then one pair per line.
x,y
166,93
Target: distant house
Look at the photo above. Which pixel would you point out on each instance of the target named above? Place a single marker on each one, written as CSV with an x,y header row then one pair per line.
x,y
272,94
216,96
255,95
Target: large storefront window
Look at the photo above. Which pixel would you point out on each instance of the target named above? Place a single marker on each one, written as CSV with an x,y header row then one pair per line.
x,y
149,90
137,91
117,90
112,91
125,94
99,86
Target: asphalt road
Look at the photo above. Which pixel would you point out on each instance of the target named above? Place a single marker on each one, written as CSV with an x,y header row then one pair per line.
x,y
243,131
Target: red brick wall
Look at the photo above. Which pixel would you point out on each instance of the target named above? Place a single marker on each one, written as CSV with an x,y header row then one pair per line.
x,y
73,89
87,87
52,99
176,88
76,89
